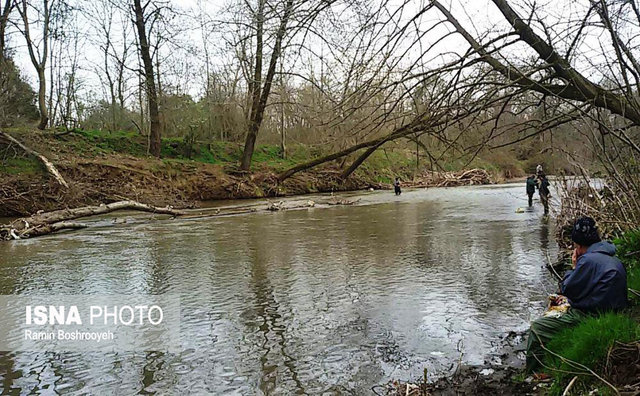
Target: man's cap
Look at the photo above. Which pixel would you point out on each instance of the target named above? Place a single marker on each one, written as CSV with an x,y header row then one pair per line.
x,y
585,231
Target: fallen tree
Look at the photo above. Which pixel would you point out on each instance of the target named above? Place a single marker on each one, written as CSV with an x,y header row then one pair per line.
x,y
50,167
49,222
416,126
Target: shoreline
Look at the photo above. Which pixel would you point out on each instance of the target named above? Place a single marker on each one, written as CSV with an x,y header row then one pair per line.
x,y
101,168
183,185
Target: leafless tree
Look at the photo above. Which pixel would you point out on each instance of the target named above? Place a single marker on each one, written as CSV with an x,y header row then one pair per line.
x,y
38,57
5,11
145,18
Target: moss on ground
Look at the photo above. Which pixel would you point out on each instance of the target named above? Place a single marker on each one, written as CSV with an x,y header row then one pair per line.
x,y
27,165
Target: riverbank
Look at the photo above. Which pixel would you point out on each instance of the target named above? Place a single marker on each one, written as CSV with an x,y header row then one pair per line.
x,y
102,167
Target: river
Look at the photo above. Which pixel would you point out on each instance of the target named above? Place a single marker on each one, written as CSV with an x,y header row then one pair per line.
x,y
321,300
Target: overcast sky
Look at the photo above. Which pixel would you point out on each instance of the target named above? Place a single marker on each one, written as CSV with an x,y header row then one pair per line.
x,y
183,58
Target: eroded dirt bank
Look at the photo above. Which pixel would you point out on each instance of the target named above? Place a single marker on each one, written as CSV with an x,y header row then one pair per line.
x,y
155,182
95,176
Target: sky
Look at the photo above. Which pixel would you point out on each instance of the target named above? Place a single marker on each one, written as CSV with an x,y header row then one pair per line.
x,y
182,59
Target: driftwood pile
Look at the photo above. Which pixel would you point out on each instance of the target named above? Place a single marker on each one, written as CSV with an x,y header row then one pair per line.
x,y
598,202
450,179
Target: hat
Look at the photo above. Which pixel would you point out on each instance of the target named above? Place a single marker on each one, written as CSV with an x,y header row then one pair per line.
x,y
585,231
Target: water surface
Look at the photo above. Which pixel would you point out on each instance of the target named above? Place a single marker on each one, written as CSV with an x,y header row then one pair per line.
x,y
308,301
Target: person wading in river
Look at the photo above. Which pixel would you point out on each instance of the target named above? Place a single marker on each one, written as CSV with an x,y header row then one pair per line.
x,y
532,184
396,186
545,193
597,284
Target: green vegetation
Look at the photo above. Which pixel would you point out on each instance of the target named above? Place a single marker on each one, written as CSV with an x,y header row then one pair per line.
x,y
17,104
21,165
629,252
589,342
382,166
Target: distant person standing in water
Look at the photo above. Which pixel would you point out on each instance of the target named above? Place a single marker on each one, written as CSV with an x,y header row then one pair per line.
x,y
396,186
539,171
532,184
545,193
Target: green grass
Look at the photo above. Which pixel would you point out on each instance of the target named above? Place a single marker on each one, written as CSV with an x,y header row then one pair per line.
x,y
386,165
588,343
21,165
132,143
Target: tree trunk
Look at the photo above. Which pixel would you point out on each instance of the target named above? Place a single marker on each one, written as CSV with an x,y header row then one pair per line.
x,y
4,18
42,97
403,131
39,65
85,211
152,95
347,172
255,86
257,112
52,169
283,133
46,223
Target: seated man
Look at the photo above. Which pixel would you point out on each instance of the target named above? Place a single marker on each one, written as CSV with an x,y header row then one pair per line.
x,y
597,283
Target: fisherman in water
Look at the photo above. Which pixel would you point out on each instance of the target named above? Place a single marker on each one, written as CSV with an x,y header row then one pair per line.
x,y
532,185
545,193
396,186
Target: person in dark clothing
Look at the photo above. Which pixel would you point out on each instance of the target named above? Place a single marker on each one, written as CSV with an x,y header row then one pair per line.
x,y
532,185
396,186
596,284
545,193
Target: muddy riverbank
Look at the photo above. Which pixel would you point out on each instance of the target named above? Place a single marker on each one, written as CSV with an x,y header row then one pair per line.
x,y
98,176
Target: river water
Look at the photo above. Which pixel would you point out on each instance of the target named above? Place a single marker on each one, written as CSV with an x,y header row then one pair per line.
x,y
323,300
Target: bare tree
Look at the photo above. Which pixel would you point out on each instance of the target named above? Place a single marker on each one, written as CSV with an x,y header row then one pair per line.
x,y
144,21
5,11
39,58
113,40
259,90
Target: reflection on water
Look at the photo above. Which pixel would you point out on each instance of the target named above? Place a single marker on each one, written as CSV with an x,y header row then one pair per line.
x,y
311,301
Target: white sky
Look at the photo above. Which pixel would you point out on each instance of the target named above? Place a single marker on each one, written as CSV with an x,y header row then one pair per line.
x,y
478,16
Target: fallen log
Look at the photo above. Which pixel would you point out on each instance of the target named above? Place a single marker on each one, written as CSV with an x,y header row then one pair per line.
x,y
48,222
51,228
50,168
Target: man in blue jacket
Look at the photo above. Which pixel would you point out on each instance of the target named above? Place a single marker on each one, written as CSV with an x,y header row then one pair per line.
x,y
597,283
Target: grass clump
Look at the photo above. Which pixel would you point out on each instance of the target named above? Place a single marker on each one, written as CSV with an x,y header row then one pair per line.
x,y
27,165
588,343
